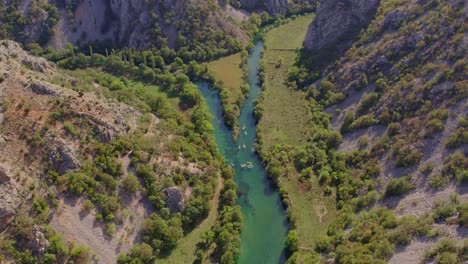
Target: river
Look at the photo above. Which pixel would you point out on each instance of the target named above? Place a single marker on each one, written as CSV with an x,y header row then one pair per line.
x,y
264,221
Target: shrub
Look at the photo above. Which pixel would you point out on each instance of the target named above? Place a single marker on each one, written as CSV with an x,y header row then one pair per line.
x,y
334,139
131,183
406,156
456,166
434,125
443,210
437,181
363,141
393,129
87,206
70,128
348,120
399,186
367,101
427,168
463,214
116,85
363,122
81,254
458,137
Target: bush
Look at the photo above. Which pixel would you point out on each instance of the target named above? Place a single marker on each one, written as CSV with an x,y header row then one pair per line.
x,y
458,137
456,166
463,214
406,155
131,183
434,125
81,254
292,241
367,101
117,85
399,186
443,210
348,120
87,206
70,128
393,129
437,181
363,122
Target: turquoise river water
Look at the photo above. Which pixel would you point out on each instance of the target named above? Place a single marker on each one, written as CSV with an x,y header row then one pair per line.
x,y
264,226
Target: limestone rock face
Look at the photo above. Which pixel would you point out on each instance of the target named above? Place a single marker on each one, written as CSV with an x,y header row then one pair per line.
x,y
337,20
43,89
39,244
9,196
62,156
271,6
174,199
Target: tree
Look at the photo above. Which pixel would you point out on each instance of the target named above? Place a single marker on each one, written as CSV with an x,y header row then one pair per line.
x,y
292,241
190,95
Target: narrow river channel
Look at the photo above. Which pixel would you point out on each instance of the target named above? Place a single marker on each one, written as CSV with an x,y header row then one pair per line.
x,y
264,226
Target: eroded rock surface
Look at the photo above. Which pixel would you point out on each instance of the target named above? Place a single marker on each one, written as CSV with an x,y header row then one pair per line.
x,y
62,156
174,199
337,20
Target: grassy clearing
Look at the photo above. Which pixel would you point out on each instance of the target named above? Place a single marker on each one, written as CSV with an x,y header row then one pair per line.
x,y
285,120
311,210
230,73
227,70
286,114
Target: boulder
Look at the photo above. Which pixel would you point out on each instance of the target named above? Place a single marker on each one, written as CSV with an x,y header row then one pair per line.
x,y
174,199
39,244
62,156
42,89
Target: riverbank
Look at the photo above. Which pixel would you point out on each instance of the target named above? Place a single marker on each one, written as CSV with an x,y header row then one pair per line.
x,y
264,220
284,125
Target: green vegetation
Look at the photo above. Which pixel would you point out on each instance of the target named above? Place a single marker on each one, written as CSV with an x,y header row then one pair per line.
x,y
401,85
448,251
399,186
166,94
286,124
229,72
282,131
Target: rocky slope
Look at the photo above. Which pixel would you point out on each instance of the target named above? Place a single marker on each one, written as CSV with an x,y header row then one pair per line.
x,y
395,106
272,6
51,171
337,21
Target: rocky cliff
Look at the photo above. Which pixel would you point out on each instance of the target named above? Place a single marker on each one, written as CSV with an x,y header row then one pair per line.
x,y
271,6
339,20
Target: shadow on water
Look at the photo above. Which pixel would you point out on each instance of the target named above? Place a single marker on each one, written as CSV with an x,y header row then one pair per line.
x,y
264,220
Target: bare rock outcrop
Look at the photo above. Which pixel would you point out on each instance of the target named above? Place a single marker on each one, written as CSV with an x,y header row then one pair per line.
x,y
271,6
174,199
338,20
9,196
40,243
43,89
62,156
